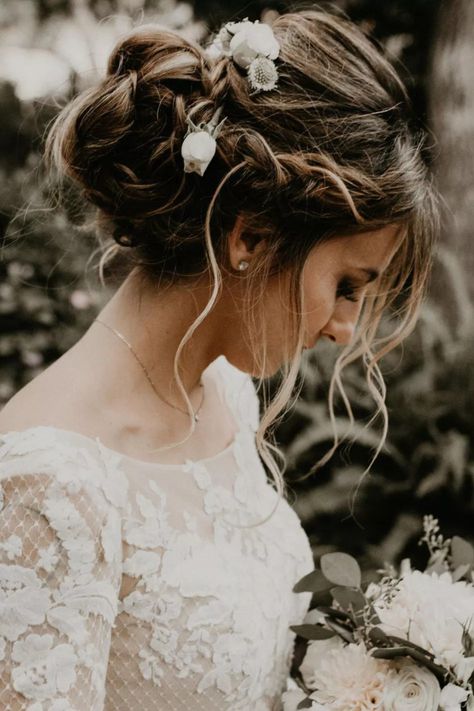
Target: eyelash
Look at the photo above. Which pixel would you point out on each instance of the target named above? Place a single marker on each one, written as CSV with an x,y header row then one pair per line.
x,y
347,290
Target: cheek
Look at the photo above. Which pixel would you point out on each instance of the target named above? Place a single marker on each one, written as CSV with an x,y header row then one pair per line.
x,y
319,300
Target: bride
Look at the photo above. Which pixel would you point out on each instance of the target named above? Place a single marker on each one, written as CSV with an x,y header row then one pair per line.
x,y
264,193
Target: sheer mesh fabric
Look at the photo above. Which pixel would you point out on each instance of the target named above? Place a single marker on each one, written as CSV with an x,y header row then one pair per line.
x,y
126,585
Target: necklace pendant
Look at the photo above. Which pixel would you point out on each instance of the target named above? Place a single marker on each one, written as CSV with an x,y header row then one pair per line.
x,y
196,417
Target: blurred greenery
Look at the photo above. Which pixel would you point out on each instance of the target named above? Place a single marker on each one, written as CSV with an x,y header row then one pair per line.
x,y
49,293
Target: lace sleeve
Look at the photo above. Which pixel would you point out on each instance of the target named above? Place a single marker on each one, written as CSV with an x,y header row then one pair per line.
x,y
60,572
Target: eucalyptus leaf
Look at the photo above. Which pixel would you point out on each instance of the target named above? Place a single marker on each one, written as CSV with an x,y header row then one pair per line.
x,y
314,617
341,569
378,636
406,643
395,652
312,582
342,630
348,598
332,612
468,643
323,598
460,572
462,553
312,631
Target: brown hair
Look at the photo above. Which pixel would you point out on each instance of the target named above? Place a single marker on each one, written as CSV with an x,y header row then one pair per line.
x,y
329,152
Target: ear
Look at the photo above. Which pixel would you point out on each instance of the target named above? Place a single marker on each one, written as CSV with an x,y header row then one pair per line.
x,y
241,244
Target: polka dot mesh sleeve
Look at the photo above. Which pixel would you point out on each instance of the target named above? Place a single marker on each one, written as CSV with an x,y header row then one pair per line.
x,y
60,574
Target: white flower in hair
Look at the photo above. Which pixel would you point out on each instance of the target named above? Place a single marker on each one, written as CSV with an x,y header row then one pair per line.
x,y
199,145
253,40
252,46
262,74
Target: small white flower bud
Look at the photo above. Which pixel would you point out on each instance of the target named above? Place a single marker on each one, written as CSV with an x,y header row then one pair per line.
x,y
198,149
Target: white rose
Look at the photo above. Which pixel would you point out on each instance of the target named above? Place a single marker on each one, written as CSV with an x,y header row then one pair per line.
x,y
411,688
452,696
198,149
251,41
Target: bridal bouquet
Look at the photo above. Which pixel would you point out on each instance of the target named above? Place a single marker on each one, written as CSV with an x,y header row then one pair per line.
x,y
404,643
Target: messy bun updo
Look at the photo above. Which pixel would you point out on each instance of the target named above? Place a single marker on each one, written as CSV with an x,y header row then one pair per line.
x,y
330,151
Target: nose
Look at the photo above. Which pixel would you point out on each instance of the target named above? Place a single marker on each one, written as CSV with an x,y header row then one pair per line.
x,y
341,326
341,334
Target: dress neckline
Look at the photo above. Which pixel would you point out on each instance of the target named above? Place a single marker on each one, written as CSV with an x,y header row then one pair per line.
x,y
220,382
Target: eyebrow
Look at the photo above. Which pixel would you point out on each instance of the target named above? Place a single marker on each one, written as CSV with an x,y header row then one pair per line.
x,y
372,274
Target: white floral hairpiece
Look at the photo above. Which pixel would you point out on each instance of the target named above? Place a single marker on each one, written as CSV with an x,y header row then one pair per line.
x,y
199,145
254,47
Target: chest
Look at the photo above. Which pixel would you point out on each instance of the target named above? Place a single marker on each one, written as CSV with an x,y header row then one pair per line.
x,y
208,598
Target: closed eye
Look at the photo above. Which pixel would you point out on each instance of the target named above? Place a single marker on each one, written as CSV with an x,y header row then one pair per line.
x,y
348,290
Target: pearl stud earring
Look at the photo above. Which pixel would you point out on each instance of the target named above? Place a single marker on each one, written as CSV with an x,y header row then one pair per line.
x,y
243,264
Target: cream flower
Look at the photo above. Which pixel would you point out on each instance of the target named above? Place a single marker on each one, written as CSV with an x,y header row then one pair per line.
x,y
317,650
411,688
198,150
253,40
430,610
347,678
262,74
452,696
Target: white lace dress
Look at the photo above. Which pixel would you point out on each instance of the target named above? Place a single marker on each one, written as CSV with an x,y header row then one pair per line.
x,y
124,585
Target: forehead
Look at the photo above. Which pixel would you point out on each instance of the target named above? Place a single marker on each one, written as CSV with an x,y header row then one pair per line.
x,y
377,245
368,250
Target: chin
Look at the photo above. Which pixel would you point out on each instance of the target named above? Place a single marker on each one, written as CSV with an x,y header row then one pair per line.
x,y
274,363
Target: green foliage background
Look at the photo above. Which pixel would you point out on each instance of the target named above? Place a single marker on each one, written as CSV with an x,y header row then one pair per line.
x,y
49,293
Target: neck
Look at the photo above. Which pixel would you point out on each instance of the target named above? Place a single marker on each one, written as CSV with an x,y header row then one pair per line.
x,y
154,323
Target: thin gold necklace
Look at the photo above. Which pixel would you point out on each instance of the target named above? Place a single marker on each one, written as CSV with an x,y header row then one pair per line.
x,y
117,333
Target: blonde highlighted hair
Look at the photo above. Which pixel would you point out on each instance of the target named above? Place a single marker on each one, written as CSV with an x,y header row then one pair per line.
x,y
331,151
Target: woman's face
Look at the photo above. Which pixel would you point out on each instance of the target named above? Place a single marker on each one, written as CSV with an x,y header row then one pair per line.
x,y
336,277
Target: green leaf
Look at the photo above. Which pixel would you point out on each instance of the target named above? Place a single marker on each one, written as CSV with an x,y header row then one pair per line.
x,y
395,652
334,613
406,643
314,582
462,553
341,569
341,630
468,643
348,598
305,704
312,631
378,636
460,572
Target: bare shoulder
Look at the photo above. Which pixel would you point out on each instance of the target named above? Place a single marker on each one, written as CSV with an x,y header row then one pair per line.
x,y
48,399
